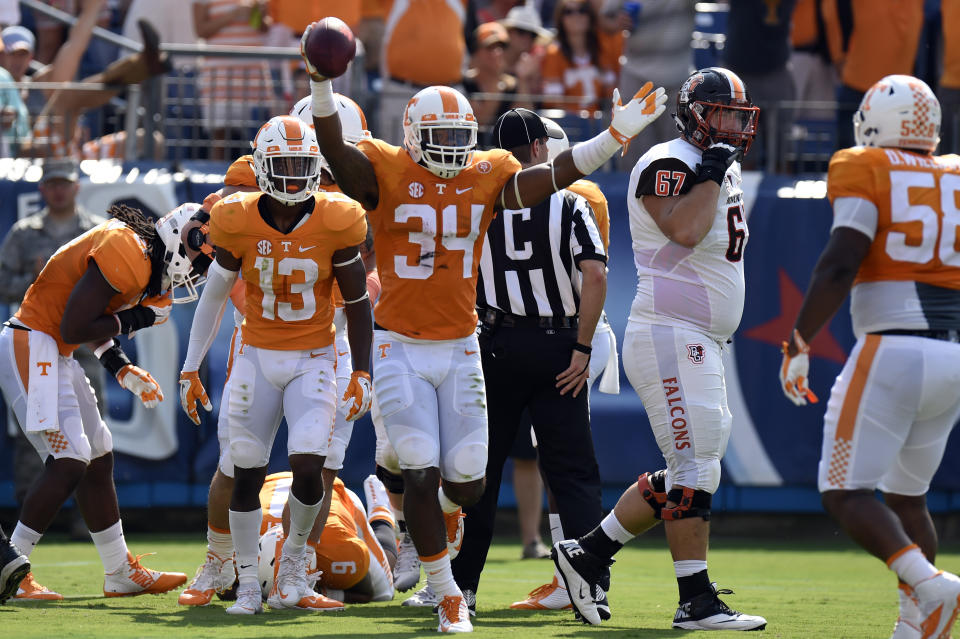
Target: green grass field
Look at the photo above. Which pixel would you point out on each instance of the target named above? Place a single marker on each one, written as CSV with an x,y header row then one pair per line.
x,y
812,590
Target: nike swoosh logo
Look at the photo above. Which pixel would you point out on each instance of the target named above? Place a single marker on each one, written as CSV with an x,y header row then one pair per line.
x,y
469,352
312,355
242,566
462,191
307,248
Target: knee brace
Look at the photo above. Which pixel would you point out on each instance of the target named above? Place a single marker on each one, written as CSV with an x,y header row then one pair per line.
x,y
689,503
392,482
653,489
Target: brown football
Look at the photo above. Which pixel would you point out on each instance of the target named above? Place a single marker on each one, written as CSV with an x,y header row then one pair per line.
x,y
330,47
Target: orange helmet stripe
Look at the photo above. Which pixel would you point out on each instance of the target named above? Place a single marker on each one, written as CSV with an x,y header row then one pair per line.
x,y
291,128
736,84
449,100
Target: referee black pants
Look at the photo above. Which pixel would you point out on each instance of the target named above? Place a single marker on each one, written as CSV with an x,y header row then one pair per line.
x,y
520,366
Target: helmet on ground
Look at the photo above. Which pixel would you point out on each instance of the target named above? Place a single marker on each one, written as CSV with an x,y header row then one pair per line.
x,y
183,265
713,106
898,111
286,159
440,131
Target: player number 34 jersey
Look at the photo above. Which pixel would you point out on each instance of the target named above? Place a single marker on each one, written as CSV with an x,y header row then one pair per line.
x,y
288,276
700,287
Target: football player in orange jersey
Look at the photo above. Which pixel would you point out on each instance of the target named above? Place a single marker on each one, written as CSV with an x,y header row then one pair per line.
x,y
290,242
891,409
217,574
430,203
113,280
351,555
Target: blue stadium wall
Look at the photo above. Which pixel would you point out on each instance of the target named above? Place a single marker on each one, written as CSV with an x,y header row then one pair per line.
x,y
162,459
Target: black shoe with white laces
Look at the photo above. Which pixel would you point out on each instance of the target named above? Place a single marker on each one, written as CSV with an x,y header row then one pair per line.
x,y
603,605
582,573
13,568
707,612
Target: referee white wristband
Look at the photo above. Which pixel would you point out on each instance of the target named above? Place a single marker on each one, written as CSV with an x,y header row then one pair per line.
x,y
590,155
322,101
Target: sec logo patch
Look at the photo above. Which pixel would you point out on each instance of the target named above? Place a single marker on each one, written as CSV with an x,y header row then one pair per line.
x,y
415,189
264,247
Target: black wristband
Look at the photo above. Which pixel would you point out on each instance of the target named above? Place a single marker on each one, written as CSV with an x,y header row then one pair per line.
x,y
583,349
135,318
114,359
714,163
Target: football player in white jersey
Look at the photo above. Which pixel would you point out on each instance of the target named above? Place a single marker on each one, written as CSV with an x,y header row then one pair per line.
x,y
895,402
689,232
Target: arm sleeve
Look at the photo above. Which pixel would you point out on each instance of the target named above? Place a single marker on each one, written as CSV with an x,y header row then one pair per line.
x,y
209,312
665,177
585,240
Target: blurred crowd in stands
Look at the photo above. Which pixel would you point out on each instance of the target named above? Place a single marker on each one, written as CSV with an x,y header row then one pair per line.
x,y
806,63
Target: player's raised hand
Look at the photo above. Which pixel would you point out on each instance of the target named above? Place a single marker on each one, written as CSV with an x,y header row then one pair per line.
x,y
192,391
142,384
356,399
315,75
794,372
633,117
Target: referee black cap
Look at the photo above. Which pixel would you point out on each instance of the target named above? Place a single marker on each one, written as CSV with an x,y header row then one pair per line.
x,y
519,127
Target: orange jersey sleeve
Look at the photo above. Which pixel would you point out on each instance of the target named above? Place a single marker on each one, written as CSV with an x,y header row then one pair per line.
x,y
594,196
288,276
341,553
120,254
917,236
427,234
273,497
241,173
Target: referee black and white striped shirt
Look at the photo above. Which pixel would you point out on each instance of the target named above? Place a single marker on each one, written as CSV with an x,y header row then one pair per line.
x,y
529,261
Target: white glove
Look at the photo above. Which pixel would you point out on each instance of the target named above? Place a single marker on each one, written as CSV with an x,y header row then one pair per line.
x,y
191,391
633,117
142,384
794,371
161,306
356,399
315,75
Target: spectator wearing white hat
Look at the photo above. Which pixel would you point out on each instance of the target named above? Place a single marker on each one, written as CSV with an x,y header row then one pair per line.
x,y
524,54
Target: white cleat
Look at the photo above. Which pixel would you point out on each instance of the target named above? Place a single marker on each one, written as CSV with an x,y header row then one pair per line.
x,y
454,614
551,596
423,598
290,586
249,600
908,623
582,573
454,523
378,503
406,573
939,602
707,612
215,575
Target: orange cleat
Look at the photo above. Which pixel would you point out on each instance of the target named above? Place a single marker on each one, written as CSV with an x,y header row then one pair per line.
x,y
316,601
133,579
30,589
454,523
551,596
215,575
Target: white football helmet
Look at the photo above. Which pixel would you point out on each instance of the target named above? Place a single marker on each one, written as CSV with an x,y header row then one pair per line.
x,y
555,145
440,131
353,123
286,159
183,266
271,546
898,111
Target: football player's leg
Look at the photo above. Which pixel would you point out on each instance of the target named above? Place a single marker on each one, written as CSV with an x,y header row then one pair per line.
x,y
254,412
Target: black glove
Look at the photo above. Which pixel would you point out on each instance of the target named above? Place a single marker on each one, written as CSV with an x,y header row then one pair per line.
x,y
135,318
715,162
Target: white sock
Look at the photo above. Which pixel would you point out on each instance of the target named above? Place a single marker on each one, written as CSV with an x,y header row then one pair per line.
x,y
687,567
615,530
556,536
245,527
445,503
302,518
911,565
25,539
440,575
112,547
220,542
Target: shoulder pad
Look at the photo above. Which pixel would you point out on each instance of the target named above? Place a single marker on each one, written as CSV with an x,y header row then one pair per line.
x,y
230,213
338,212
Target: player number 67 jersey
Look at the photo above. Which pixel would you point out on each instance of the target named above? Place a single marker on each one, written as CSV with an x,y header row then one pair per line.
x,y
700,287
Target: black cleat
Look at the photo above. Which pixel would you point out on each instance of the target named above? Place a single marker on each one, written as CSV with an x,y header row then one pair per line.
x,y
582,573
13,568
707,612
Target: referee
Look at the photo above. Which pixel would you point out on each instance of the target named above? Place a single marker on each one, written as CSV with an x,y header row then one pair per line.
x,y
540,294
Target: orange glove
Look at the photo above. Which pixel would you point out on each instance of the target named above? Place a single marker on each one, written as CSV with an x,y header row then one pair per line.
x,y
191,391
794,371
356,400
633,117
142,384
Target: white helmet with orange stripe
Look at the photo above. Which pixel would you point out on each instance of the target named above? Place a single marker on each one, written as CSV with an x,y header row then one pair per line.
x,y
713,106
286,159
898,111
440,131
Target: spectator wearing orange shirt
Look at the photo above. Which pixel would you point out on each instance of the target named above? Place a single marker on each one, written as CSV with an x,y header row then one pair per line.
x,y
868,39
573,66
814,76
949,92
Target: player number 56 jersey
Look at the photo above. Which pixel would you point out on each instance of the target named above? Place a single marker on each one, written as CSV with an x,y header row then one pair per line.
x,y
288,276
700,287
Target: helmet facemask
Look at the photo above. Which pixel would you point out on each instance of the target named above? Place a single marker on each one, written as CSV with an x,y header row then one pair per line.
x,y
182,267
288,178
445,150
723,123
